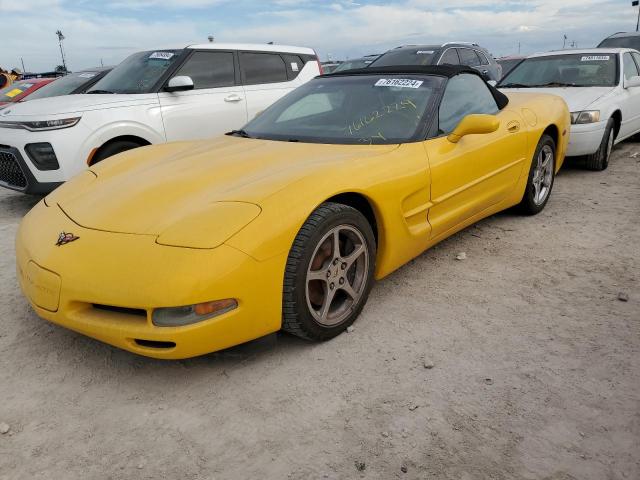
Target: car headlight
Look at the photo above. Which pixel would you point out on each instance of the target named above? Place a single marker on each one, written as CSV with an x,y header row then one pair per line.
x,y
586,116
187,315
43,125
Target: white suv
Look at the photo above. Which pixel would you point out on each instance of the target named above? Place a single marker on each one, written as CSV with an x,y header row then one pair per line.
x,y
151,97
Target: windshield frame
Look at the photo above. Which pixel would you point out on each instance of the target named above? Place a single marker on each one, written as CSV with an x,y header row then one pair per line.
x,y
503,83
424,127
181,54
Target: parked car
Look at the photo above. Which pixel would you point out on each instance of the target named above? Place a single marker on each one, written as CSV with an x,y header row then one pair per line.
x,y
508,63
151,97
71,84
21,90
601,87
177,250
452,53
355,63
622,40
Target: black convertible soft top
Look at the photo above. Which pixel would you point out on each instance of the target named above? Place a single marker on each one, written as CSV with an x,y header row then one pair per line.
x,y
441,70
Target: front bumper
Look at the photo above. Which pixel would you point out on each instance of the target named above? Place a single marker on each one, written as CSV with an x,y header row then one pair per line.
x,y
77,286
16,174
585,139
67,144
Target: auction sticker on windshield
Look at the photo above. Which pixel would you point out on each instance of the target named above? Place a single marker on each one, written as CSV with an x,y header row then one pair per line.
x,y
161,55
597,58
398,82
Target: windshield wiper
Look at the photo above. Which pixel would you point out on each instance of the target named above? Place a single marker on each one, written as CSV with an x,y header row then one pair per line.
x,y
99,91
239,133
514,85
555,84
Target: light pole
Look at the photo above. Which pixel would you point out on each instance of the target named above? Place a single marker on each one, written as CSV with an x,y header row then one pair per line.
x,y
60,39
635,3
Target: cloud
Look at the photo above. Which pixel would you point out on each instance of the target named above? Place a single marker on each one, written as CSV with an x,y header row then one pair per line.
x,y
111,29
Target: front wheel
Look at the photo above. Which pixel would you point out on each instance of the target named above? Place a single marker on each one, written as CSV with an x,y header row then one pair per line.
x,y
329,272
600,160
541,177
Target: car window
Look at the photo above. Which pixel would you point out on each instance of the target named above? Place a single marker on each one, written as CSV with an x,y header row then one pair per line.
x,y
465,94
636,57
294,64
64,85
621,42
138,73
259,68
407,56
483,58
358,109
468,57
630,68
571,69
450,57
209,69
11,93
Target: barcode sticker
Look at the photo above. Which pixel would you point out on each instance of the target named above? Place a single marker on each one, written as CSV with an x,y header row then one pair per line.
x,y
597,58
398,82
161,55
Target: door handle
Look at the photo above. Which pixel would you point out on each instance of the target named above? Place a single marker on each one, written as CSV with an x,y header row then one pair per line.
x,y
485,72
233,98
513,126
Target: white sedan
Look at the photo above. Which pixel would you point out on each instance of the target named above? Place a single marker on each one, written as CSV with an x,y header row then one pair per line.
x,y
601,87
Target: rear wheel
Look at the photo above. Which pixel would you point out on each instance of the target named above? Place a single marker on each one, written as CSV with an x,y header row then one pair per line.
x,y
329,272
541,177
112,149
600,160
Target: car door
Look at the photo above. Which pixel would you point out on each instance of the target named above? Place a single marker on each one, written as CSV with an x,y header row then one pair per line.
x,y
264,79
480,170
630,103
215,105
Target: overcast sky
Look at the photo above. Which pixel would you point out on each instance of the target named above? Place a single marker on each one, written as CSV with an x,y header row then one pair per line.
x,y
109,30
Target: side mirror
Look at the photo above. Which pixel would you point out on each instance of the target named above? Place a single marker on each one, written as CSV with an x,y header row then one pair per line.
x,y
493,83
179,84
632,82
473,125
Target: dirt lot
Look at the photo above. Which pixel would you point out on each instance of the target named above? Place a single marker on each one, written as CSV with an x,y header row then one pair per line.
x,y
536,368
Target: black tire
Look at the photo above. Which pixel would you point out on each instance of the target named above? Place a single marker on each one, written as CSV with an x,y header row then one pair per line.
x,y
528,205
112,149
600,160
297,318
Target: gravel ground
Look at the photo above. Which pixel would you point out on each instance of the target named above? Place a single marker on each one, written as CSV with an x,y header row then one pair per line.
x,y
518,362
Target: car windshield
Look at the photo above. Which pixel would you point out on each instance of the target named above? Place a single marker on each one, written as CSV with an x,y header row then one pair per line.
x,y
632,41
573,70
12,92
362,109
508,64
137,73
64,85
406,56
351,64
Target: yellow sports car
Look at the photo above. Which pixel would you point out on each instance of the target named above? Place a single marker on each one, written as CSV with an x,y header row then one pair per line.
x,y
177,250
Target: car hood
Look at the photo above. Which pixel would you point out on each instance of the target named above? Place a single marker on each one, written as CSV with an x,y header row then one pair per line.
x,y
577,98
149,189
43,107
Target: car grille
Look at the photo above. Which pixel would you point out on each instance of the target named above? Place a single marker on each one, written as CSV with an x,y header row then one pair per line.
x,y
10,171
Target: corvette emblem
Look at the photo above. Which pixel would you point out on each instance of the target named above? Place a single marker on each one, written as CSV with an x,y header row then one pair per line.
x,y
65,238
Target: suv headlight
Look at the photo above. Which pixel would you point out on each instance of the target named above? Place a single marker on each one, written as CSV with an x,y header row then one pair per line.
x,y
586,116
40,126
